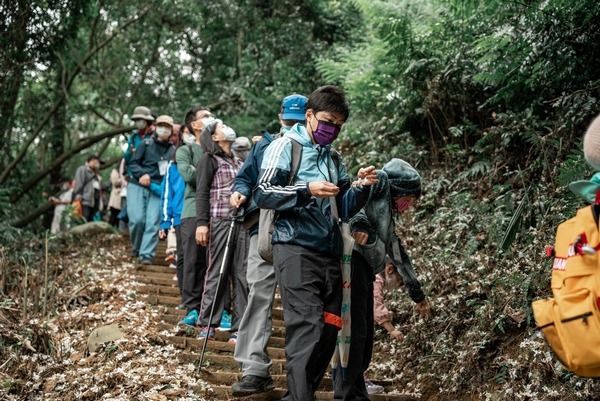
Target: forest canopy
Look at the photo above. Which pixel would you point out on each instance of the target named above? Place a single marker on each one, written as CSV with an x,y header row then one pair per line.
x,y
489,88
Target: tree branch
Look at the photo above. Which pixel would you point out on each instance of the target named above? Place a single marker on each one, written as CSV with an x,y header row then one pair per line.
x,y
103,117
31,216
103,147
7,171
84,144
111,162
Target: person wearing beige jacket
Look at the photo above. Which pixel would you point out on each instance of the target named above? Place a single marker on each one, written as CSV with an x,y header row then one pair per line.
x,y
114,202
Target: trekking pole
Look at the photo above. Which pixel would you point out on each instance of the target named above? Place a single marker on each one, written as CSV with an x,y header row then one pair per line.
x,y
237,215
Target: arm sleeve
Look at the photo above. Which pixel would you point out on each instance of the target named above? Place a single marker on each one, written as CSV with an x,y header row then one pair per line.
x,y
115,178
122,170
165,202
79,181
381,314
350,199
273,191
185,165
135,167
246,179
128,154
360,222
404,265
203,184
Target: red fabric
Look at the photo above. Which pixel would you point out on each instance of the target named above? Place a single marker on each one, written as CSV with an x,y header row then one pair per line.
x,y
332,319
597,201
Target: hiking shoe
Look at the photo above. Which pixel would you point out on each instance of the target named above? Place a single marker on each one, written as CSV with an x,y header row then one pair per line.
x,y
252,385
233,338
207,332
225,324
373,388
146,261
191,318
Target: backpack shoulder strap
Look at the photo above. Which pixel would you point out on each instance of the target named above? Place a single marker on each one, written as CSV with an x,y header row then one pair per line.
x,y
336,157
296,159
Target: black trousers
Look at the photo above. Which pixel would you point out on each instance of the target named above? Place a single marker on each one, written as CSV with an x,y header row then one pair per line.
x,y
113,220
194,266
179,262
351,385
311,292
89,213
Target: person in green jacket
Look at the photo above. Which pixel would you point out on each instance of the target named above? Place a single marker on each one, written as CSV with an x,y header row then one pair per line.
x,y
194,255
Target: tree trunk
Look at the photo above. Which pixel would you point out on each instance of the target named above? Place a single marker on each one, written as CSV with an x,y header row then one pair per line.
x,y
13,58
58,132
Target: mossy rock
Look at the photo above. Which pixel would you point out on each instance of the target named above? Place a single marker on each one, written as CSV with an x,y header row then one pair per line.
x,y
93,228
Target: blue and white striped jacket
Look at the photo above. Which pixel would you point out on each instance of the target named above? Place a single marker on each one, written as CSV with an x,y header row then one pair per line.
x,y
303,219
171,197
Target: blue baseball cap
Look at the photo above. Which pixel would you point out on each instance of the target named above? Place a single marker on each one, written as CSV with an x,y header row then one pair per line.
x,y
293,107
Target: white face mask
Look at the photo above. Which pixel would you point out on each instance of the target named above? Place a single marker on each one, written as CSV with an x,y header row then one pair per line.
x,y
229,134
140,124
189,139
163,132
207,120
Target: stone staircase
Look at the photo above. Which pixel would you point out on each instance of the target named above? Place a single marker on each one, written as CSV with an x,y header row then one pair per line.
x,y
220,368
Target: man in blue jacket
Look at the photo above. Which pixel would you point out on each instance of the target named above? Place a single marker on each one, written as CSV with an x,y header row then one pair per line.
x,y
171,205
255,328
307,241
145,171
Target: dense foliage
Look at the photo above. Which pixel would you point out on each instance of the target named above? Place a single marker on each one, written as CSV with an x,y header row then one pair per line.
x,y
488,98
75,69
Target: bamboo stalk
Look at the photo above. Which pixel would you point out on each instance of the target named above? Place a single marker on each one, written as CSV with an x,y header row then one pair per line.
x,y
25,286
4,272
44,306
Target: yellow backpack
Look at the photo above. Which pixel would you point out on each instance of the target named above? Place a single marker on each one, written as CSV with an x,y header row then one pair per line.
x,y
571,320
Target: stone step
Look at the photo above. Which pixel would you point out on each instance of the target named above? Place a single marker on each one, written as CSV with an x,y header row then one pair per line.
x,y
220,369
159,279
169,295
169,290
188,331
215,346
166,300
160,261
215,362
169,302
173,316
155,269
224,393
223,378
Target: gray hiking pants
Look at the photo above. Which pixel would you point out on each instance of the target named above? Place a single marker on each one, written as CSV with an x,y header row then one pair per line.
x,y
235,270
255,328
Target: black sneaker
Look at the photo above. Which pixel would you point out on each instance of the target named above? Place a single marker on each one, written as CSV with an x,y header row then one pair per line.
x,y
252,385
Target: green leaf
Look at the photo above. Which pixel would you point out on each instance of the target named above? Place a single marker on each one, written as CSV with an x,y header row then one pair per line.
x,y
515,222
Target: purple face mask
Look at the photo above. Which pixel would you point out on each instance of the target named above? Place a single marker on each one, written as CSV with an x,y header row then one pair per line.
x,y
326,133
